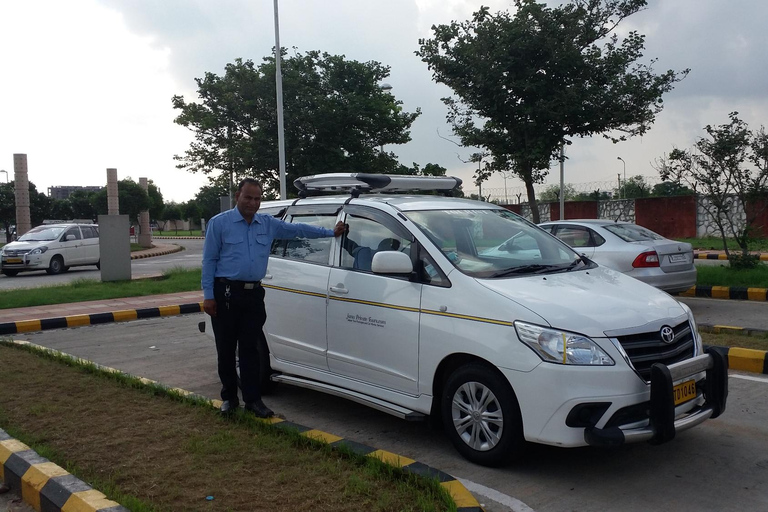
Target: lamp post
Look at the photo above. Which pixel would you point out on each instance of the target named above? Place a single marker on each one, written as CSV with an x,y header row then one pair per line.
x,y
386,88
6,174
624,188
279,93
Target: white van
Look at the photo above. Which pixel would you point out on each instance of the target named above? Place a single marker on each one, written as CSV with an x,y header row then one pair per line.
x,y
53,248
417,312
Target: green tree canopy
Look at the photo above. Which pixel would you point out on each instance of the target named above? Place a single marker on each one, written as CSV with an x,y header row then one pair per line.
x,y
525,83
552,193
156,204
671,189
132,199
39,206
337,119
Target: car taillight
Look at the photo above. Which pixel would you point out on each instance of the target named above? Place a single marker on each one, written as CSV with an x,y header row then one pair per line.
x,y
646,259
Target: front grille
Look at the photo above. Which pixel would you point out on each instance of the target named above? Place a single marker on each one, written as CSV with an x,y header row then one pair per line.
x,y
647,348
13,253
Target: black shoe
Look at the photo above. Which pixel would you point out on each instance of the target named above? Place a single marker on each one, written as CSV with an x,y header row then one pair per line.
x,y
259,409
229,406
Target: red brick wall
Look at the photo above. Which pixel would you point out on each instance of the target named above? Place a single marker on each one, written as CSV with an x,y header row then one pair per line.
x,y
761,222
517,208
672,217
574,210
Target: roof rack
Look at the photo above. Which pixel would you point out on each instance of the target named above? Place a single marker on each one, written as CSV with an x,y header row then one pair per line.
x,y
356,183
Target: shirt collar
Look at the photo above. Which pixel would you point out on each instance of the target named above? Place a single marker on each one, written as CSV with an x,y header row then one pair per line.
x,y
236,216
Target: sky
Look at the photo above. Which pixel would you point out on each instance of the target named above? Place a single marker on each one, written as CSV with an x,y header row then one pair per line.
x,y
86,85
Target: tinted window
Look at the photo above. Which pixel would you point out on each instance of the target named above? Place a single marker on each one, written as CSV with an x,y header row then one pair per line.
x,y
89,232
632,232
365,238
574,236
74,231
316,250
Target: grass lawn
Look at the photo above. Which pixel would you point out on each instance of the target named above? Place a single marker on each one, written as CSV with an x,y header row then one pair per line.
x,y
152,450
180,232
176,280
716,275
736,340
716,244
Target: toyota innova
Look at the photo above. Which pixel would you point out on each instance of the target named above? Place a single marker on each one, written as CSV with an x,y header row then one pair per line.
x,y
417,312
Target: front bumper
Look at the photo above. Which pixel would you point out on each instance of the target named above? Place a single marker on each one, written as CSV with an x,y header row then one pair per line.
x,y
664,422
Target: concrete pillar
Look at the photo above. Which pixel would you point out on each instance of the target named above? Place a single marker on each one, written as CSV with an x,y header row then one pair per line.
x,y
21,189
145,234
113,201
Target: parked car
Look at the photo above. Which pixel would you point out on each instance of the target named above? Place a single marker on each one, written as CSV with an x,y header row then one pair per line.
x,y
53,248
630,249
466,312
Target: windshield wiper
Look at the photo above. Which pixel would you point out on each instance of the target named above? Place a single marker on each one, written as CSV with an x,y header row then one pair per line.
x,y
527,269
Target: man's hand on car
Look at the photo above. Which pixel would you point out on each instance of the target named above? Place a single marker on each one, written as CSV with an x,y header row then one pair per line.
x,y
340,229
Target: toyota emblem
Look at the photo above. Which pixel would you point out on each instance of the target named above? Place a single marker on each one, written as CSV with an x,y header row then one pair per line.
x,y
667,334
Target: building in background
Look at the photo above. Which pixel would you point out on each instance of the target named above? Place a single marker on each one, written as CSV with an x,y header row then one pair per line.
x,y
65,192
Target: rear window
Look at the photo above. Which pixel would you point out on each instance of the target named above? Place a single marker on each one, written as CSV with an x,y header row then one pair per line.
x,y
632,232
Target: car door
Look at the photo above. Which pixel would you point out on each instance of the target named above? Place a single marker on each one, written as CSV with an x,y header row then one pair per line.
x,y
373,319
296,289
90,244
71,246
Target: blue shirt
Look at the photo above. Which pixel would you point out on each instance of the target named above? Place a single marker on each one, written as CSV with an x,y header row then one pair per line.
x,y
240,251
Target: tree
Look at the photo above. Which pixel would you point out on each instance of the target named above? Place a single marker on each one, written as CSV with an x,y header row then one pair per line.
x,y
207,199
337,118
633,187
7,208
671,189
552,193
595,195
61,209
39,206
526,83
156,204
132,199
729,168
171,211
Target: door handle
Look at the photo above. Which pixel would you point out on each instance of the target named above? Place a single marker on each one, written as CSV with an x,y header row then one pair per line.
x,y
339,289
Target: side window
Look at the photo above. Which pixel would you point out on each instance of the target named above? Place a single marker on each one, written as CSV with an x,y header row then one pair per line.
x,y
71,231
548,228
596,238
365,238
574,236
89,232
429,271
316,250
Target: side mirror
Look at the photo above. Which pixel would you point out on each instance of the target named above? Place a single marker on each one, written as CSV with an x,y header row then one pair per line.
x,y
67,238
391,262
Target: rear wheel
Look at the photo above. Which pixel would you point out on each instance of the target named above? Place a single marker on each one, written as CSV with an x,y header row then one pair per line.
x,y
481,415
56,266
10,273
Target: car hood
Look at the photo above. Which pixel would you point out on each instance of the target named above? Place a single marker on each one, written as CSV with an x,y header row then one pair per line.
x,y
590,302
25,246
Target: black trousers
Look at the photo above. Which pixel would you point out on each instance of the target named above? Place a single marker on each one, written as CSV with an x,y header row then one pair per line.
x,y
238,322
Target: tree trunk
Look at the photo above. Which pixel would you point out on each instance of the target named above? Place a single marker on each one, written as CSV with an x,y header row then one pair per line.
x,y
532,201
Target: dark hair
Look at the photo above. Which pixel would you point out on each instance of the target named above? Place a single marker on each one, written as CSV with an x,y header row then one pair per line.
x,y
248,181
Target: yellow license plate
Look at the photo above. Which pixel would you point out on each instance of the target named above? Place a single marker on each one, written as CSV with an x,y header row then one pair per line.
x,y
13,260
684,391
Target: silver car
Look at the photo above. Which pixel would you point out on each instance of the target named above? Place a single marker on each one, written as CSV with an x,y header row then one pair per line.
x,y
630,249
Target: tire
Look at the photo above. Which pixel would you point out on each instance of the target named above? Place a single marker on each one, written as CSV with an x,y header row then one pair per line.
x,y
56,266
11,273
481,415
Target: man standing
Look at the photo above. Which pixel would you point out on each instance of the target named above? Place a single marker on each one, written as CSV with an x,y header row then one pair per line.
x,y
235,257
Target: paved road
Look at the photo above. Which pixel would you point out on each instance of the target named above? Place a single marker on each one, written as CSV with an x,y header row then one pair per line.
x,y
721,465
191,256
739,313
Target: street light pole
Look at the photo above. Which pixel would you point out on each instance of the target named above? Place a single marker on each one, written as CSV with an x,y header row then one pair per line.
x,y
279,87
386,88
624,188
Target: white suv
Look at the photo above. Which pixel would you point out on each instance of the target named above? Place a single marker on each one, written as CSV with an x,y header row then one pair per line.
x,y
53,248
417,313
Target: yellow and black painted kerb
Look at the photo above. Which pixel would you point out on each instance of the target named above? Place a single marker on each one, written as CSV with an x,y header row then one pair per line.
x,y
45,486
97,318
465,501
721,256
727,292
138,256
743,359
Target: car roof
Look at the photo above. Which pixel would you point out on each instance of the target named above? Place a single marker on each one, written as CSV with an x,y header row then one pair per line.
x,y
591,222
404,202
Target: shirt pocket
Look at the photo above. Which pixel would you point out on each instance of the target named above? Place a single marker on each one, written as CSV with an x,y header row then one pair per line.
x,y
232,241
262,239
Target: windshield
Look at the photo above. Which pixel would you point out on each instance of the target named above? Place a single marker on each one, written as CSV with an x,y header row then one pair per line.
x,y
494,243
41,234
632,232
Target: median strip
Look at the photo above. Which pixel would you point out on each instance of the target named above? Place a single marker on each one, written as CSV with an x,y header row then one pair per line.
x,y
727,292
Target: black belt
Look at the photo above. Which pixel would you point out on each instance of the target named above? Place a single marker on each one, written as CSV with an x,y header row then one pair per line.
x,y
245,285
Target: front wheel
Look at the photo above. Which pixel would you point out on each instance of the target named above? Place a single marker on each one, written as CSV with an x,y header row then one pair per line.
x,y
11,273
56,266
481,415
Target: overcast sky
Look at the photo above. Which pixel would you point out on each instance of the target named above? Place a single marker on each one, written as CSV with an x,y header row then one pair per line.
x,y
87,84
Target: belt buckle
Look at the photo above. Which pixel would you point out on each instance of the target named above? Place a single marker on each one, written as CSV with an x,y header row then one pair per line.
x,y
248,286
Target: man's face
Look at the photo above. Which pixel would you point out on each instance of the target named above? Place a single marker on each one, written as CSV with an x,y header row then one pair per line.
x,y
248,199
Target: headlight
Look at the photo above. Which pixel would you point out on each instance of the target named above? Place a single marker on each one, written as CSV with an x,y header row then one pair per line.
x,y
39,250
694,329
562,347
